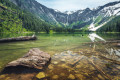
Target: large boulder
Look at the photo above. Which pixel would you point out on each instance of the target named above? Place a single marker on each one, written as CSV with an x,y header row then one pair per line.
x,y
33,59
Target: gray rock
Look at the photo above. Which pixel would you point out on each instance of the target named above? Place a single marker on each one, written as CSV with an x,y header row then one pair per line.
x,y
33,59
118,44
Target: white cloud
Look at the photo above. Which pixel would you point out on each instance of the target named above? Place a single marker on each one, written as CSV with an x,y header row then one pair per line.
x,y
71,5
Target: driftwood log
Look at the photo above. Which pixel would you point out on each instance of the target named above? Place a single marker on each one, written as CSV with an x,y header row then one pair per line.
x,y
22,38
33,59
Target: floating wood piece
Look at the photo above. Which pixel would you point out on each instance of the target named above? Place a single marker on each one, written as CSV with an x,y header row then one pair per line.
x,y
22,38
33,59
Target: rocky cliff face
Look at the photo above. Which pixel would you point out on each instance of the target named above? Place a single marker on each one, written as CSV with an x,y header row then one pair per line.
x,y
93,19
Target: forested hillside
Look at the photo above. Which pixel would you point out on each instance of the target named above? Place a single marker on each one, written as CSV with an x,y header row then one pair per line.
x,y
112,26
13,19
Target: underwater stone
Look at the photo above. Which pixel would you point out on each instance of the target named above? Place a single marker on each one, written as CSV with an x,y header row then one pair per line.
x,y
80,76
62,74
78,66
71,76
50,67
55,62
63,60
2,76
41,75
55,77
118,44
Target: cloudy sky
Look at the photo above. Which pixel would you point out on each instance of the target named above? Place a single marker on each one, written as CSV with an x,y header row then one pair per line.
x,y
71,5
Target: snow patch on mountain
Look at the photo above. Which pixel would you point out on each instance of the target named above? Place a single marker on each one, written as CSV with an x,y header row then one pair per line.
x,y
112,10
116,12
92,27
56,10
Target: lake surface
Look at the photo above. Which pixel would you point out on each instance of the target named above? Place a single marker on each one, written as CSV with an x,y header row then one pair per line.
x,y
74,56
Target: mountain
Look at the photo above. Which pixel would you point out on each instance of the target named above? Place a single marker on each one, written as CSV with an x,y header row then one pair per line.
x,y
80,19
111,26
104,14
14,19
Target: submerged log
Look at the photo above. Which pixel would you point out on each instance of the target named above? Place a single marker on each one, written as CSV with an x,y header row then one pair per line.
x,y
22,38
33,59
110,60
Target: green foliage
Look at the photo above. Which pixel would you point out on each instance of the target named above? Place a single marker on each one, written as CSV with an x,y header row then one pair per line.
x,y
112,26
98,19
13,19
10,22
76,23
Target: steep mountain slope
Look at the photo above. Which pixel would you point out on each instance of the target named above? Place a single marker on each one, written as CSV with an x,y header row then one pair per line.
x,y
13,19
112,26
84,19
104,14
47,14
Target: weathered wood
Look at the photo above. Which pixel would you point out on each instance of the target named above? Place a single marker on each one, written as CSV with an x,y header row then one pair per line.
x,y
112,41
33,59
110,60
77,60
22,38
99,70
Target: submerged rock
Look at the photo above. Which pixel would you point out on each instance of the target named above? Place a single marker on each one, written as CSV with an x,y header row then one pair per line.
x,y
33,59
41,75
2,76
62,74
55,62
71,77
118,44
50,67
55,77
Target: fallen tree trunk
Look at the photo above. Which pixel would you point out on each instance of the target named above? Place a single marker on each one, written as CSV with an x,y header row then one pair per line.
x,y
33,59
110,60
22,38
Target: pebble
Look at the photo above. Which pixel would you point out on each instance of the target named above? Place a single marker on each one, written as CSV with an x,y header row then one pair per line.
x,y
63,60
55,62
100,77
71,77
64,66
55,77
2,76
62,74
50,67
118,44
78,66
79,76
118,67
40,75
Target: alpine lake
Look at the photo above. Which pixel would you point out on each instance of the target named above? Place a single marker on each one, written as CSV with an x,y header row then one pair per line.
x,y
83,56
